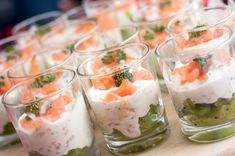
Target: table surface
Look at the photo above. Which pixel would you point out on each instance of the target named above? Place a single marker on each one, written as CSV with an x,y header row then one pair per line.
x,y
175,145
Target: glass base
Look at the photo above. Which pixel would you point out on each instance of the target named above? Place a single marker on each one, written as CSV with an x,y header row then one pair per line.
x,y
137,145
210,133
8,140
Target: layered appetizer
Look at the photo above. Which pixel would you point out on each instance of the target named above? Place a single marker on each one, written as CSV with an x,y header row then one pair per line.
x,y
200,80
124,95
50,116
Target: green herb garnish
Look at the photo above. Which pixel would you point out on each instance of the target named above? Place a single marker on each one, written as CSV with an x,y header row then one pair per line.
x,y
199,26
9,48
158,28
39,82
41,31
33,108
194,34
125,33
119,76
8,129
70,47
108,58
121,55
202,61
2,83
77,152
48,78
165,3
148,36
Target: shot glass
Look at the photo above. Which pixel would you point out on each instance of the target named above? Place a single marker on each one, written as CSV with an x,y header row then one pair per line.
x,y
200,79
100,41
40,25
20,45
208,16
74,30
152,21
50,116
102,12
7,132
39,63
123,92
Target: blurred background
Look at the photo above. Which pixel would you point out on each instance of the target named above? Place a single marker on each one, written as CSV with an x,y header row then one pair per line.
x,y
14,11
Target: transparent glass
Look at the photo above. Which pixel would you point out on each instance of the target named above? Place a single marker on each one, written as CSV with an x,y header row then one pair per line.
x,y
123,92
152,21
50,116
211,16
66,38
76,13
100,41
40,63
200,80
39,25
7,132
101,11
21,45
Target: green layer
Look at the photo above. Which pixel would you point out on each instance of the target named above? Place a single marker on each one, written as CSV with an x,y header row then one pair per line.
x,y
8,129
200,114
147,123
73,152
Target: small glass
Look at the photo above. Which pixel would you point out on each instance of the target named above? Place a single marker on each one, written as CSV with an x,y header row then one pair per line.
x,y
7,132
102,12
152,21
39,25
100,41
50,116
200,79
123,92
39,63
210,16
20,45
74,30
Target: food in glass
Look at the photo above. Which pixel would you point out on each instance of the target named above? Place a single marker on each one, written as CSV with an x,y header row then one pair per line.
x,y
39,25
100,41
199,74
210,16
41,62
123,92
66,38
7,132
50,116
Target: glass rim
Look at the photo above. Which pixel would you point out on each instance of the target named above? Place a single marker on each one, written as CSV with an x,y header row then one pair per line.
x,y
142,23
17,28
73,11
227,8
24,104
99,51
130,65
11,77
211,51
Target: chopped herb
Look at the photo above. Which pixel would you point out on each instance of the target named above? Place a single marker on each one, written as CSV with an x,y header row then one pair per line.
x,y
165,3
108,58
70,47
33,108
149,36
8,129
78,152
92,19
121,55
202,61
158,28
119,76
194,34
10,57
9,48
48,78
41,31
125,33
199,26
2,83
128,14
37,83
